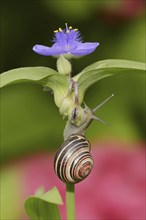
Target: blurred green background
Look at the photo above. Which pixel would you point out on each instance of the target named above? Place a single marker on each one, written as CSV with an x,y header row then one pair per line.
x,y
29,119
30,122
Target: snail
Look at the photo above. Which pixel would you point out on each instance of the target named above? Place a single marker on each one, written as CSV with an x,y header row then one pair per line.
x,y
73,161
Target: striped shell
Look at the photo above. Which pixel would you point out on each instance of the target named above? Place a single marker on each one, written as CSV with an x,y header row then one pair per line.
x,y
73,161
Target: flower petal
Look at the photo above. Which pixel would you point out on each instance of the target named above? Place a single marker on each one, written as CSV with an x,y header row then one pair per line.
x,y
84,49
48,51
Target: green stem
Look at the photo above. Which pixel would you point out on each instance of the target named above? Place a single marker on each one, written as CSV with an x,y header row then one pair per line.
x,y
70,201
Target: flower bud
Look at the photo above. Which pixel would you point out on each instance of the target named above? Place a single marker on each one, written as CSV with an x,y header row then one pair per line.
x,y
65,105
76,115
63,65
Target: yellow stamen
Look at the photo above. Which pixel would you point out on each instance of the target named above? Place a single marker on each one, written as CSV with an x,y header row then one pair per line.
x,y
76,29
70,27
60,29
55,31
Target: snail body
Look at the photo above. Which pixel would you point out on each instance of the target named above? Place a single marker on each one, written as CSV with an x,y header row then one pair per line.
x,y
73,161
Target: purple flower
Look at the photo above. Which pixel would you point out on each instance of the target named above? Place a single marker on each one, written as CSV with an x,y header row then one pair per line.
x,y
67,42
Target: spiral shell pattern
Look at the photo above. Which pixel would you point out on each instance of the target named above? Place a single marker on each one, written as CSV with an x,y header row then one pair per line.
x,y
73,161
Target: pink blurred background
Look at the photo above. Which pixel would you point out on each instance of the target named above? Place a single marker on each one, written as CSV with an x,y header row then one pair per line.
x,y
114,190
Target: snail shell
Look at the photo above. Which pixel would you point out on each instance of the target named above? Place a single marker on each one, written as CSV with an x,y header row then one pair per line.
x,y
73,161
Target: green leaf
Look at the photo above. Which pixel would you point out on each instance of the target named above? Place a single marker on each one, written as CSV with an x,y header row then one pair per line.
x,y
40,75
103,69
44,206
25,74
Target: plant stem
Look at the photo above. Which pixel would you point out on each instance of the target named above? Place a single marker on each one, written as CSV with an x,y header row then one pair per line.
x,y
70,201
